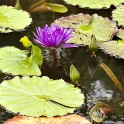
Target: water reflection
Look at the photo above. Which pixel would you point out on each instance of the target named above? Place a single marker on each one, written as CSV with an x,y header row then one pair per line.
x,y
95,82
99,91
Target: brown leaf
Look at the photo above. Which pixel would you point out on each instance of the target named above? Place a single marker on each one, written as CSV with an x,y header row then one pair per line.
x,y
41,8
38,7
70,119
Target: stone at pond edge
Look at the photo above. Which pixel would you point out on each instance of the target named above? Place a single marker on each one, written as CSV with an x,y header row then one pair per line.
x,y
69,119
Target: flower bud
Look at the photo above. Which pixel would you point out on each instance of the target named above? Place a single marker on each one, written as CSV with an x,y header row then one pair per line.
x,y
93,46
74,74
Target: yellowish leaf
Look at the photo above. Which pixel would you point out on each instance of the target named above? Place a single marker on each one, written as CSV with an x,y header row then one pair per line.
x,y
25,41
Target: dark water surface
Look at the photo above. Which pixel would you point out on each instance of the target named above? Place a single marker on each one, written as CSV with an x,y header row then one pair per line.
x,y
95,82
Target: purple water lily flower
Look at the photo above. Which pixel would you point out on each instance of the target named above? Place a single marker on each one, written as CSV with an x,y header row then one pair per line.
x,y
53,37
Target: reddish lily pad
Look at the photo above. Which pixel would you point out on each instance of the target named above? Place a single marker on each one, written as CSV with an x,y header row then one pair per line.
x,y
69,119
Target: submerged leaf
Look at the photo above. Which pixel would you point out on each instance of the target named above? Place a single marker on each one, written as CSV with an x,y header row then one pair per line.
x,y
35,96
12,19
15,61
118,15
94,4
85,26
69,119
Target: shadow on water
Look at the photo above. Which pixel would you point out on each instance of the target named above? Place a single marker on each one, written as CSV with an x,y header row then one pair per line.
x,y
97,85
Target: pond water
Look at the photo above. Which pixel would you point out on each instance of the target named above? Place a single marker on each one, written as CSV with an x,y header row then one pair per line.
x,y
94,81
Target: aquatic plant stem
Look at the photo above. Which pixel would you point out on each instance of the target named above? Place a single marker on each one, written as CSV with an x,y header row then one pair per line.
x,y
93,54
55,55
112,77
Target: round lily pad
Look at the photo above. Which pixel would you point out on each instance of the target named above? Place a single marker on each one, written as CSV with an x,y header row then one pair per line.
x,y
94,4
39,96
118,15
85,26
12,19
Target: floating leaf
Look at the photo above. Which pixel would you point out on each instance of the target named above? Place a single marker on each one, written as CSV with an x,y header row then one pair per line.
x,y
85,26
42,5
26,42
99,111
17,62
113,48
94,4
35,96
56,7
69,119
74,74
118,15
12,19
112,77
120,34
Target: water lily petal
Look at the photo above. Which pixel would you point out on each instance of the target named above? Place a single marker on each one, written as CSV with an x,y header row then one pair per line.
x,y
68,45
53,36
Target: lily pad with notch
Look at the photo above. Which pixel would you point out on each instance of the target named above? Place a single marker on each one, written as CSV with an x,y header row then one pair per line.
x,y
115,47
40,96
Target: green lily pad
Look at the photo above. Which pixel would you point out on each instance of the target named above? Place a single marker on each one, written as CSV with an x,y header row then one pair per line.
x,y
118,15
35,96
94,4
12,19
16,62
85,26
120,34
56,7
113,48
